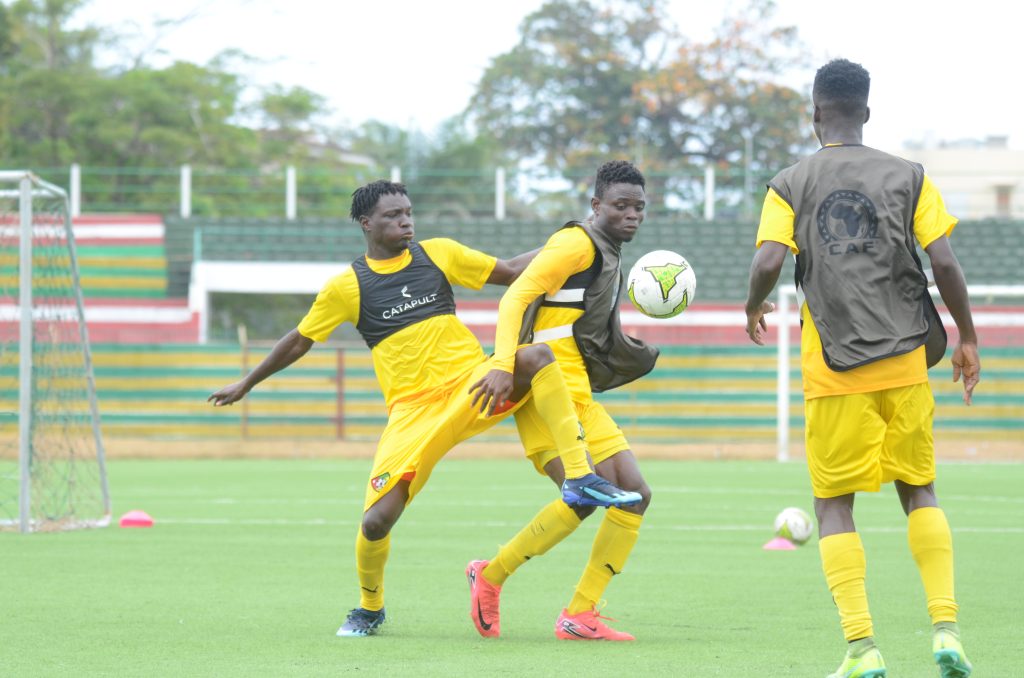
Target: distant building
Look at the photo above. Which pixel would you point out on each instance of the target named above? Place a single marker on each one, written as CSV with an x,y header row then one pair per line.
x,y
978,179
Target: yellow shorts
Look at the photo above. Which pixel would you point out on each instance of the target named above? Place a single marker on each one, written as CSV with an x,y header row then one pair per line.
x,y
602,435
417,436
858,441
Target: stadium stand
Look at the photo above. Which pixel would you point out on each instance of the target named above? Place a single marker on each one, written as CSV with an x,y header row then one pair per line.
x,y
122,262
702,393
719,251
153,377
121,256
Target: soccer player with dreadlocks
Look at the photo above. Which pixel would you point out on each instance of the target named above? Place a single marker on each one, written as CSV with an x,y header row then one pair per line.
x,y
399,297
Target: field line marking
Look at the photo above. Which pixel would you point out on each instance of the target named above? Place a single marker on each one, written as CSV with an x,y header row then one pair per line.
x,y
320,522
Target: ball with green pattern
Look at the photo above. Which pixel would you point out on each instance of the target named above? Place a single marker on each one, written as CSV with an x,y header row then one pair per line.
x,y
794,524
661,284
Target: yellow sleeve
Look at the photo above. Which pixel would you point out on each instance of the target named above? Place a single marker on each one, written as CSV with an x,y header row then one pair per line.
x,y
336,303
931,220
461,265
566,252
777,219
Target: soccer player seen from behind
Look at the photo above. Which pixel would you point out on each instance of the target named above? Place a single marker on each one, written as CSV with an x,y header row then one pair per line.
x,y
851,215
569,294
399,297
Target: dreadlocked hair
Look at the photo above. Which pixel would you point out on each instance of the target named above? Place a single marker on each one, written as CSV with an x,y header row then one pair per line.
x,y
365,198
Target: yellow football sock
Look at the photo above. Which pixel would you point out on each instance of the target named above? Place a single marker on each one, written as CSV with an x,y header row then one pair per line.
x,y
555,407
931,543
842,559
614,541
370,559
552,524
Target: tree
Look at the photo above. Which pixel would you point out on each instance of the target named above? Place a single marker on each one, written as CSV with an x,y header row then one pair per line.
x,y
47,75
131,126
713,102
289,119
7,48
565,93
389,145
590,81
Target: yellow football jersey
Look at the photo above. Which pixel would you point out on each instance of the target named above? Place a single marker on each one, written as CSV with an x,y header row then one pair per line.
x,y
567,252
416,363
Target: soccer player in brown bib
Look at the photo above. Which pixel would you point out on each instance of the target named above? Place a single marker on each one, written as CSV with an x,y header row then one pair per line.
x,y
567,299
852,215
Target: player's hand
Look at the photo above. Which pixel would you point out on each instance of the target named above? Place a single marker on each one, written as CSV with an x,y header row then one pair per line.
x,y
757,328
967,363
492,391
228,394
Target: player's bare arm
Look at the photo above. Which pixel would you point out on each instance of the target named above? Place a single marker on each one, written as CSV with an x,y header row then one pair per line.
x,y
949,278
288,349
764,273
507,270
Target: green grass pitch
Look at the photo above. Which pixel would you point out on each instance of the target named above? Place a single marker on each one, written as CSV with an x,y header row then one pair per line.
x,y
249,572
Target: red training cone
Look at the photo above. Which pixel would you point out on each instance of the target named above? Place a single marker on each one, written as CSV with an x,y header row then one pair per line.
x,y
779,544
136,519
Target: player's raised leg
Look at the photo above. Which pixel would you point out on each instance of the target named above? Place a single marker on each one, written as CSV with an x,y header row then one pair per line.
x,y
536,363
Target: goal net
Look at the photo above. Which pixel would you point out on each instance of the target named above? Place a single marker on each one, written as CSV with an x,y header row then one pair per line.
x,y
52,474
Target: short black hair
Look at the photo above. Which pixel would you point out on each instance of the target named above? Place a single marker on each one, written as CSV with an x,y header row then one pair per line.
x,y
365,198
842,86
617,172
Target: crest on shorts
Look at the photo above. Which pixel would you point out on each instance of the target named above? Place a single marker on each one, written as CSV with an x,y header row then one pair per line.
x,y
380,481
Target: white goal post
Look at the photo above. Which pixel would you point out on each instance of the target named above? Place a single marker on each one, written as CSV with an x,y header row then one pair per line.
x,y
52,467
786,317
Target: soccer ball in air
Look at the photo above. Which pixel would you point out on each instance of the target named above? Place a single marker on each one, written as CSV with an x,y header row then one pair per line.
x,y
794,524
661,284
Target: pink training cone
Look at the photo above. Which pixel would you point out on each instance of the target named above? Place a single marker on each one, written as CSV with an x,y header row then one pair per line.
x,y
136,519
779,544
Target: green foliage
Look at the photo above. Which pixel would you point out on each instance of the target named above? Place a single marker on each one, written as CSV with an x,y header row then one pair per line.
x,y
6,44
592,80
289,119
47,74
588,81
565,92
387,144
450,174
131,127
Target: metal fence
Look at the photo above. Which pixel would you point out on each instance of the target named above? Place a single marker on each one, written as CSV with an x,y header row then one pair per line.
x,y
721,191
290,192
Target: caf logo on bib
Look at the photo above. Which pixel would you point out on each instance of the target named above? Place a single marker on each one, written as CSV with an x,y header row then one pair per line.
x,y
847,215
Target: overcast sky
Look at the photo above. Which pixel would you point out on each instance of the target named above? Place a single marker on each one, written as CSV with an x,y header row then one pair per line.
x,y
940,70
